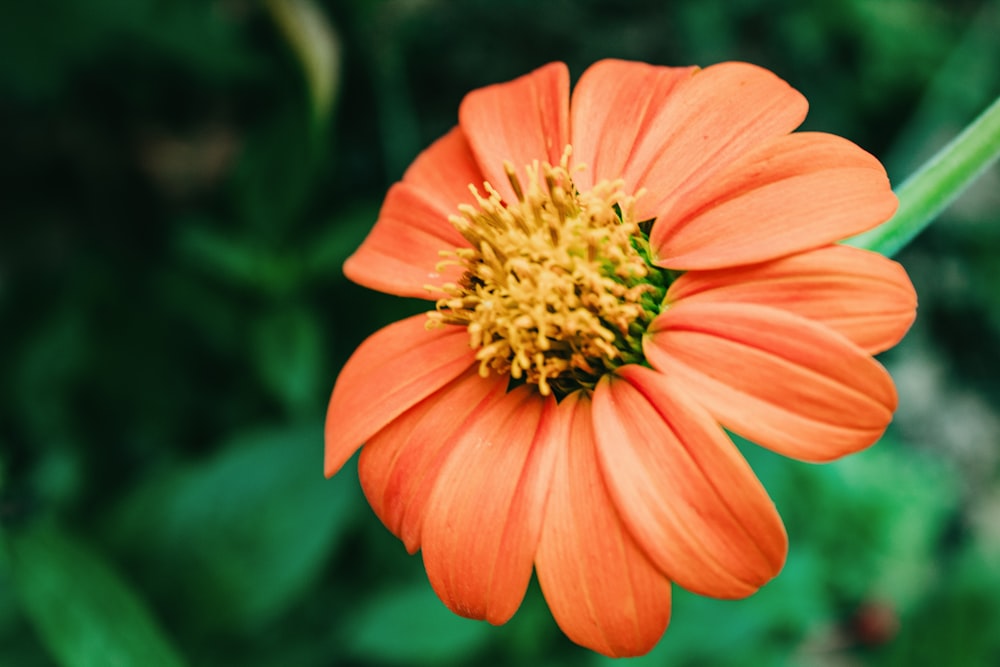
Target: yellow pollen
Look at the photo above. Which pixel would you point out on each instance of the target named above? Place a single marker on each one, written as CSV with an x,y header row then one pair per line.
x,y
553,283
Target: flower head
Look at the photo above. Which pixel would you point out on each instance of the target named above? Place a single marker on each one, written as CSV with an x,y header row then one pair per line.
x,y
615,277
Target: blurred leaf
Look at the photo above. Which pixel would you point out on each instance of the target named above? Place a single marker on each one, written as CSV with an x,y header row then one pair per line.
x,y
920,498
410,625
276,171
339,237
386,61
239,536
50,359
959,623
238,261
706,631
315,42
205,37
794,602
894,504
875,517
45,42
288,354
83,612
960,89
42,43
530,628
244,262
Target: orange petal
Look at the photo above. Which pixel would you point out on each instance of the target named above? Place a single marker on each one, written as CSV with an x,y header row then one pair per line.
x,y
860,294
702,125
403,249
400,463
602,589
485,512
781,380
789,194
444,171
401,253
519,121
613,108
686,494
392,370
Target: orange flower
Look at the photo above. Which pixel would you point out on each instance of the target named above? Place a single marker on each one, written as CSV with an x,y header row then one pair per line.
x,y
617,276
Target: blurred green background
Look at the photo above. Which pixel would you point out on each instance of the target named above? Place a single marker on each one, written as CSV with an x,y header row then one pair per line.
x,y
181,181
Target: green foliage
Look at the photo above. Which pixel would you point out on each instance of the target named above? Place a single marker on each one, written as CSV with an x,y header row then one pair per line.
x,y
44,44
83,611
316,44
183,181
235,539
409,626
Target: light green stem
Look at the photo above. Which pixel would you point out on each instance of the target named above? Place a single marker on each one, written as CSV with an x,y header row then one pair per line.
x,y
925,194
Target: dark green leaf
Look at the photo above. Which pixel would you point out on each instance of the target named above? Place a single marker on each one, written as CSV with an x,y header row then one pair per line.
x,y
275,174
411,626
84,613
288,352
237,537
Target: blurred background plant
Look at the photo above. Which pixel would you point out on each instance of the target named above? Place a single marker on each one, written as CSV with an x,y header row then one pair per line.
x,y
181,182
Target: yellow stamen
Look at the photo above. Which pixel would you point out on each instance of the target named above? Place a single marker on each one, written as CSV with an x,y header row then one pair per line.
x,y
552,280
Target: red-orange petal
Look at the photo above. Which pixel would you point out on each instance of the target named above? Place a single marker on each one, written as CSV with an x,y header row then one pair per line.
x,y
702,125
602,589
786,195
484,516
444,171
402,251
399,464
613,109
520,121
778,379
682,488
391,371
861,294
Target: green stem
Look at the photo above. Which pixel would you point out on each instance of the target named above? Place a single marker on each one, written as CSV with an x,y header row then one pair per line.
x,y
925,194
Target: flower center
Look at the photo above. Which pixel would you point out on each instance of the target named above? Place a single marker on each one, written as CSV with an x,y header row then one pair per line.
x,y
558,287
